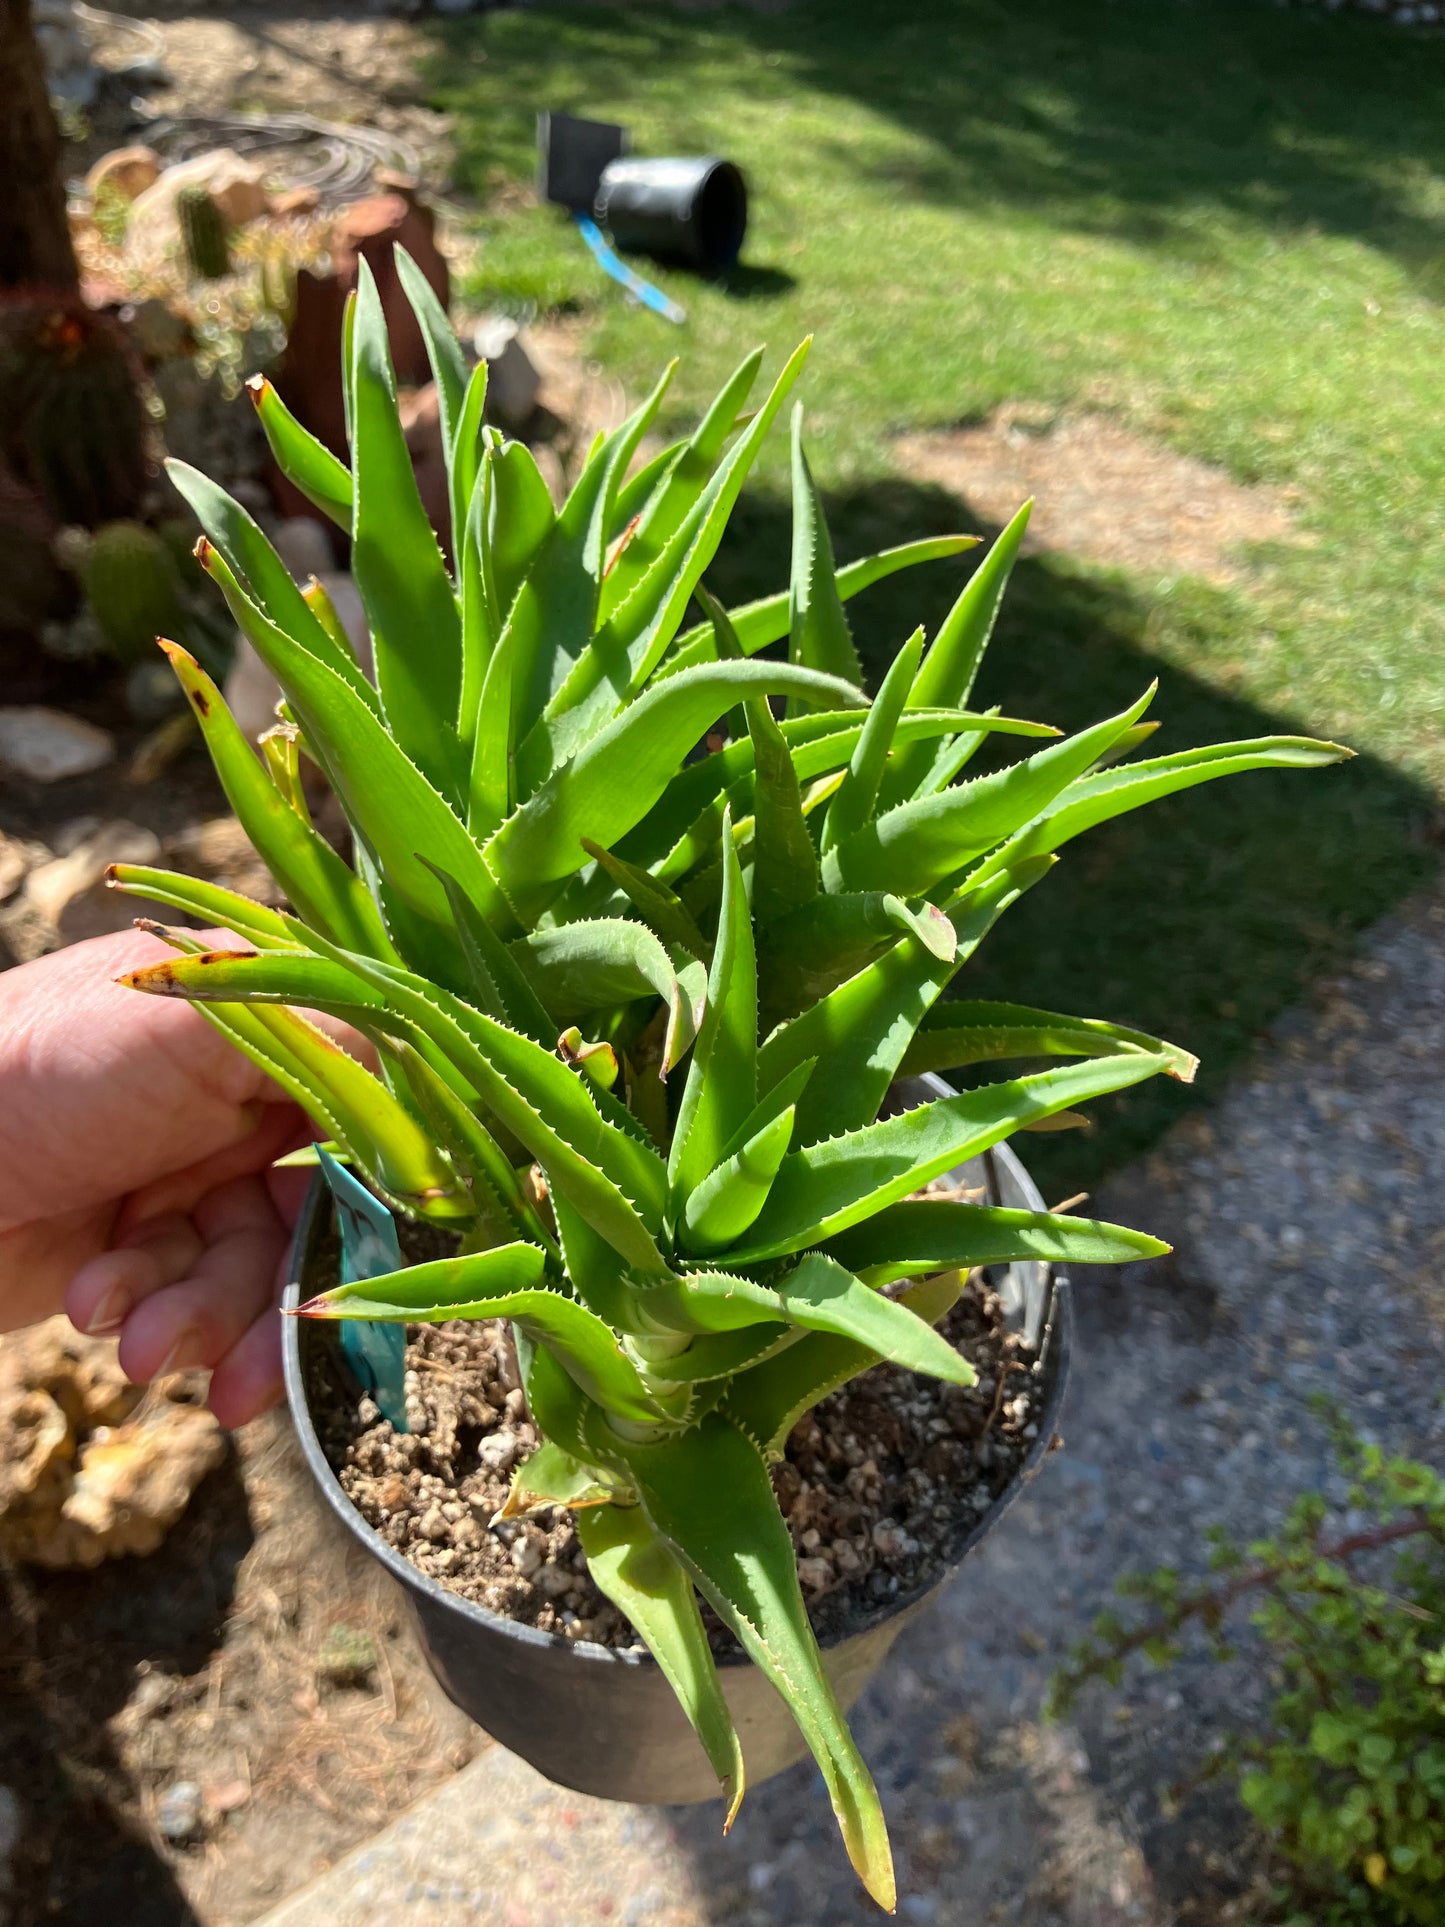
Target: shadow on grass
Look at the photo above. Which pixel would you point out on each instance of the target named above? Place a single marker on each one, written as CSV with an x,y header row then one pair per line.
x,y
1137,119
1200,918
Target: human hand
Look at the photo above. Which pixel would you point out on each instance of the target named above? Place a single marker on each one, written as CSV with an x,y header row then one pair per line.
x,y
136,1187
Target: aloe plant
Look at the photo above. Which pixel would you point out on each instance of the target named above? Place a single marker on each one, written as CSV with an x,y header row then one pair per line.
x,y
636,1009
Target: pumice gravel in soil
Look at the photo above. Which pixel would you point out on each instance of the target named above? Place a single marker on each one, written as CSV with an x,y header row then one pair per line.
x,y
880,1484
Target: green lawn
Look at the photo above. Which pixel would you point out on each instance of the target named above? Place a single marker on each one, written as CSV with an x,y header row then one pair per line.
x,y
1221,223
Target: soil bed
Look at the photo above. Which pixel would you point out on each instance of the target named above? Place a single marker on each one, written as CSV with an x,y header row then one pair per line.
x,y
880,1485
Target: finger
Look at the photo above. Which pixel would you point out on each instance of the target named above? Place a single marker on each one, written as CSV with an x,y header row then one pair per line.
x,y
196,1321
248,1380
277,1129
103,1292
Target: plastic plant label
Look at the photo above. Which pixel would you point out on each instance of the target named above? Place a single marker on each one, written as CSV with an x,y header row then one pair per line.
x,y
369,1249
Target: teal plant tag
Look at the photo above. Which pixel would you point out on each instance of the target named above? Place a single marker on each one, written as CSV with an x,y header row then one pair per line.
x,y
376,1352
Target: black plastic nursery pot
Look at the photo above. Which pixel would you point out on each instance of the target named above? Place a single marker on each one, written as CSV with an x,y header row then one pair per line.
x,y
690,211
605,1722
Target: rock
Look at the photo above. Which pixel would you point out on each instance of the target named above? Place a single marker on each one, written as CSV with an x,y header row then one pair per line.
x,y
178,1814
143,74
86,1473
304,545
498,1451
236,185
512,376
227,1796
18,856
310,373
125,172
48,746
70,892
220,850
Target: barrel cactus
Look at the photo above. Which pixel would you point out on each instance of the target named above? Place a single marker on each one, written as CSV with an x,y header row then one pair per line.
x,y
637,1009
133,587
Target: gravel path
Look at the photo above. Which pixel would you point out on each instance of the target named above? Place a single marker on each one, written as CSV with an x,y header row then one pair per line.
x,y
1308,1213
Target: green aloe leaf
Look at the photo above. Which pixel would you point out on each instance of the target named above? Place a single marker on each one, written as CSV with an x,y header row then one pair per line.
x,y
632,642
720,1209
614,781
499,984
253,562
958,1033
854,801
555,613
817,1295
785,864
637,491
616,1182
946,678
384,794
917,845
818,633
257,923
323,889
708,1494
306,462
398,567
463,472
826,1188
766,1401
757,624
714,1355
860,1033
721,1088
660,908
600,964
522,517
501,1200
818,745
808,953
676,491
927,1234
643,1578
552,1477
481,617
1096,799
443,350
503,1283
349,1103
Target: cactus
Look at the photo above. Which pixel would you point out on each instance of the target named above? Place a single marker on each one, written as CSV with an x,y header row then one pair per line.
x,y
131,585
637,1013
203,234
72,423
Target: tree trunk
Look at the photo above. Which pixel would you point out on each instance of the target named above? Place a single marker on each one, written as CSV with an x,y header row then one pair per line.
x,y
35,248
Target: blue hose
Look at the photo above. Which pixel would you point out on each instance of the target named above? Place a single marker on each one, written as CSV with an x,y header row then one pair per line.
x,y
640,290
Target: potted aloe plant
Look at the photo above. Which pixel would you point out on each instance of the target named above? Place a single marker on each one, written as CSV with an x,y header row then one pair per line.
x,y
637,1010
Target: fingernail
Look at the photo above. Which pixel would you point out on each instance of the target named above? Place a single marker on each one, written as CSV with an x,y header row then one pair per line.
x,y
109,1315
183,1354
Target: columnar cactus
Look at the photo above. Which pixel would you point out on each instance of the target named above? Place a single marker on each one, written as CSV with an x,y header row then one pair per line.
x,y
637,1010
203,234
